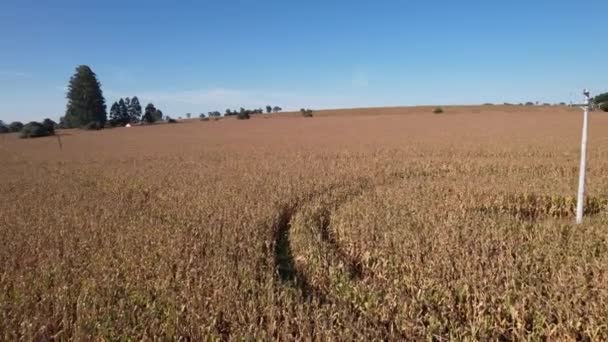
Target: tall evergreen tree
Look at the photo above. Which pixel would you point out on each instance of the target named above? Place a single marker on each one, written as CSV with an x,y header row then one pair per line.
x,y
85,99
123,111
134,109
115,114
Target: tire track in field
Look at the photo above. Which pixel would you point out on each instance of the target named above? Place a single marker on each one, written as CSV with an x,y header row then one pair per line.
x,y
283,254
330,198
322,204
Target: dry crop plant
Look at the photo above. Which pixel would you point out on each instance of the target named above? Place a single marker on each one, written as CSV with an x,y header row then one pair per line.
x,y
379,232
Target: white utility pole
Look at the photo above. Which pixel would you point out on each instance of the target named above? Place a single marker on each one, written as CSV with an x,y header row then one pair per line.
x,y
583,168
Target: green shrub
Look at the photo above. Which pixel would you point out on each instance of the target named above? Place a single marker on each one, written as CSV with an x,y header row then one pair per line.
x,y
438,110
307,113
243,115
604,106
35,130
4,128
170,120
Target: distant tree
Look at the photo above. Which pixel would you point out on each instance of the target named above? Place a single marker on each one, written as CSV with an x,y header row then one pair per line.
x,y
562,103
529,103
133,109
123,108
438,110
268,109
151,114
215,114
228,112
15,126
202,116
188,115
601,101
158,114
50,125
4,128
115,115
85,99
119,112
148,113
243,114
35,130
277,109
307,113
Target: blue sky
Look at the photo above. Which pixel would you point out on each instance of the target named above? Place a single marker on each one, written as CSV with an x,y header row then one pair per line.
x,y
199,56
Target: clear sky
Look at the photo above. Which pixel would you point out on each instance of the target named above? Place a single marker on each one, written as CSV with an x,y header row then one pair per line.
x,y
199,56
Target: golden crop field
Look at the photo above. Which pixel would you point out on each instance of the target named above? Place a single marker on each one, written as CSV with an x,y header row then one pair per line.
x,y
363,224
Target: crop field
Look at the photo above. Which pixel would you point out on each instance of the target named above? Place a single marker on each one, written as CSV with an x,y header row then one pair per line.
x,y
363,224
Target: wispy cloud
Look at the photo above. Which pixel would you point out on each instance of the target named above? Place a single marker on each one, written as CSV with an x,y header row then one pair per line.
x,y
11,74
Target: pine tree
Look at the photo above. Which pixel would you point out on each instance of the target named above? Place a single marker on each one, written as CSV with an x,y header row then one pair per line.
x,y
123,111
115,114
134,109
85,99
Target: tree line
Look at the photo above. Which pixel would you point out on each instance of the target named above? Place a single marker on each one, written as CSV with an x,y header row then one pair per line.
x,y
240,114
32,129
601,101
86,108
